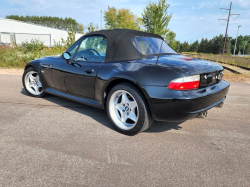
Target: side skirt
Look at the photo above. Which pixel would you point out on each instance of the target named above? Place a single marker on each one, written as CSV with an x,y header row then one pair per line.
x,y
73,98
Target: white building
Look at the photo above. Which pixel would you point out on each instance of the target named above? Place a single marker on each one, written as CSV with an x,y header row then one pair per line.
x,y
18,31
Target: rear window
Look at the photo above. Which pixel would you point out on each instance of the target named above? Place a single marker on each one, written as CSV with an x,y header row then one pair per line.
x,y
150,46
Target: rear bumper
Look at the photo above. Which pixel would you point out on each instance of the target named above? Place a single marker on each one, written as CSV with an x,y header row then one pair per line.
x,y
172,105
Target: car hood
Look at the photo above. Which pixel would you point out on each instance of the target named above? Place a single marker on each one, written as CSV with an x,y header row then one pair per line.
x,y
182,65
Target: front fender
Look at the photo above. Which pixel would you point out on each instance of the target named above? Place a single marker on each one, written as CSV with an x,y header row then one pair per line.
x,y
35,64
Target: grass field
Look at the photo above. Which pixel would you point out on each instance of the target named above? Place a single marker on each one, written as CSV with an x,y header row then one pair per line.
x,y
18,56
230,76
227,59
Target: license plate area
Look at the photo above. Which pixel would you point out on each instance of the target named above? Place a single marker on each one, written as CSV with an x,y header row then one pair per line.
x,y
208,79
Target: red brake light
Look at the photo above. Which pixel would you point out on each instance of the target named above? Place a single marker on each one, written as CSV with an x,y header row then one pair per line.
x,y
185,83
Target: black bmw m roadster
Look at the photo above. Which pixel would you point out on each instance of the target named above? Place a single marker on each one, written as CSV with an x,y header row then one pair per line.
x,y
133,75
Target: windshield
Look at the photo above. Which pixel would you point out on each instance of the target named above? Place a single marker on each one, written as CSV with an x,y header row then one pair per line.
x,y
150,46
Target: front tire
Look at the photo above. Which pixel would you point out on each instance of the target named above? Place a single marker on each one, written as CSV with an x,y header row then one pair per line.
x,y
32,84
128,110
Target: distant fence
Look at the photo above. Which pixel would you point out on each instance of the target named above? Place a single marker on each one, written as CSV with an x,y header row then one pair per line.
x,y
18,38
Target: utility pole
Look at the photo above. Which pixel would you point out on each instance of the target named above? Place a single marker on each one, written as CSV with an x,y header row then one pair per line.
x,y
229,14
236,39
101,20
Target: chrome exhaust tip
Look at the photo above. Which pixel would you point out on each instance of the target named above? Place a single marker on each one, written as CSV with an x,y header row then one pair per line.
x,y
202,115
220,105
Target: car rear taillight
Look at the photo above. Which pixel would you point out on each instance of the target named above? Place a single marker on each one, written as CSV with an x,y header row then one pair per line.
x,y
185,83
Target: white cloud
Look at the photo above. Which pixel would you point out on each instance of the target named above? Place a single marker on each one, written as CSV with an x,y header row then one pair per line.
x,y
243,3
208,4
193,8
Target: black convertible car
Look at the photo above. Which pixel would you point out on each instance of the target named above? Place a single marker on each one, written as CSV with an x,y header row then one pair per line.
x,y
134,75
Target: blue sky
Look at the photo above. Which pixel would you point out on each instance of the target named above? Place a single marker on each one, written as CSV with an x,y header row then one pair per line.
x,y
192,19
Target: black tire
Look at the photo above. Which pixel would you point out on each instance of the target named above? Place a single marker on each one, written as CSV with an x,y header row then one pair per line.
x,y
144,120
30,69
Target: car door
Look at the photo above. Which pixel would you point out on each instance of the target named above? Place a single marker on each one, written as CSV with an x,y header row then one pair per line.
x,y
78,76
59,68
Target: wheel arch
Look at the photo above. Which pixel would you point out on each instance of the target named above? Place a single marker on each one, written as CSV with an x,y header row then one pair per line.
x,y
30,64
117,81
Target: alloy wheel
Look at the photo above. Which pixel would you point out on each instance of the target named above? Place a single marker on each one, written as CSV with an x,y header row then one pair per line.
x,y
123,109
32,83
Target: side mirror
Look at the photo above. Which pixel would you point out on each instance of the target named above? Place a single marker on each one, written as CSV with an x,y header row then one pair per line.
x,y
66,56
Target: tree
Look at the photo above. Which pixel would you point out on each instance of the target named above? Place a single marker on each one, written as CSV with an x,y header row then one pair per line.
x,y
156,18
170,36
81,28
53,22
178,46
218,44
92,28
194,46
170,39
184,47
110,17
121,18
210,46
70,39
247,49
203,46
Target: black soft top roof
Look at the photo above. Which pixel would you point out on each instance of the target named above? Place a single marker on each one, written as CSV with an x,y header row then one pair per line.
x,y
120,47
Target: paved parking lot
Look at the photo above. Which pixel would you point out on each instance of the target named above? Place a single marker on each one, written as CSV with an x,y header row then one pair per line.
x,y
57,142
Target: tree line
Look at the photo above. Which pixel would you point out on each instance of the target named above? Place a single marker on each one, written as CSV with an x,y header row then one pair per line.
x,y
53,22
215,45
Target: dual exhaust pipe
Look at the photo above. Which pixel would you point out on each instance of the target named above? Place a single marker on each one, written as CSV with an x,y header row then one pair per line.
x,y
220,105
204,114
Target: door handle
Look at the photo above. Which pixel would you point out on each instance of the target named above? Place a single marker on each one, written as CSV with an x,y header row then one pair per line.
x,y
89,70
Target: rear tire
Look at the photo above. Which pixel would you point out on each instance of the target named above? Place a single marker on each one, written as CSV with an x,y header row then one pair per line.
x,y
32,84
128,110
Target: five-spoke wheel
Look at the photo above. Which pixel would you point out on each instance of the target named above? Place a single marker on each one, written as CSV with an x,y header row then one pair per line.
x,y
123,109
128,109
31,83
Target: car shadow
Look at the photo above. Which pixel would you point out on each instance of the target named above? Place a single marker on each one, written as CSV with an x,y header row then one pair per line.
x,y
160,126
101,115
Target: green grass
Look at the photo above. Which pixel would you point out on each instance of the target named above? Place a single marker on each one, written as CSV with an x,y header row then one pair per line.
x,y
19,56
227,59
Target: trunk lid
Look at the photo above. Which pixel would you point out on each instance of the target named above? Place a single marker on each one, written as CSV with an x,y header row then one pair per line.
x,y
194,66
210,72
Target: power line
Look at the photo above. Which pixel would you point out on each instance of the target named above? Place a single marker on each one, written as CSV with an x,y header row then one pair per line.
x,y
207,32
215,29
198,29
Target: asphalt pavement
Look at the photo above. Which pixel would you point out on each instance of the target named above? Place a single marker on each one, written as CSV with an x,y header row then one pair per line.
x,y
52,141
